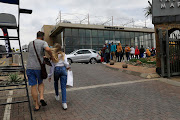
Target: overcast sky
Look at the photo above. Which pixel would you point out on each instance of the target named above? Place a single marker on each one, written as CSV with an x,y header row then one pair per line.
x,y
45,12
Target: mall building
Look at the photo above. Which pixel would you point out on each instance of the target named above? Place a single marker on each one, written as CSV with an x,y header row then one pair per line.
x,y
83,36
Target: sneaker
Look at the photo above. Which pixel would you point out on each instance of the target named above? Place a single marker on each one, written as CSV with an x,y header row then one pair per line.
x,y
64,105
57,97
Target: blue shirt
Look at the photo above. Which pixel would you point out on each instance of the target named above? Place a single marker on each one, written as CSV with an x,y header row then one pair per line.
x,y
113,48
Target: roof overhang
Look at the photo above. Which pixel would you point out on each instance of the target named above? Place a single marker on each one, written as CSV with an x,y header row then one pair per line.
x,y
59,27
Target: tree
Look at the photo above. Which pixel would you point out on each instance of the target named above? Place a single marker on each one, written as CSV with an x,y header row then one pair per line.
x,y
148,10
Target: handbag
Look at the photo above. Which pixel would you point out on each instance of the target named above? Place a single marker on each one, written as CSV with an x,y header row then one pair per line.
x,y
69,78
42,64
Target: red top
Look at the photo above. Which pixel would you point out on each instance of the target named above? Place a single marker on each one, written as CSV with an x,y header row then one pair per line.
x,y
137,51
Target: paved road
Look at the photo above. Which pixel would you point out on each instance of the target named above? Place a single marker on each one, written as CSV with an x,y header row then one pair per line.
x,y
102,94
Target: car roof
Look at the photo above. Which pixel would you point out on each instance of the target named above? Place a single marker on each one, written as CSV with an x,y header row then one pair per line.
x,y
84,49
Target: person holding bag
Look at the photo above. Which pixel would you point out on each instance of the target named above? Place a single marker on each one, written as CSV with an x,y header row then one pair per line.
x,y
59,66
35,68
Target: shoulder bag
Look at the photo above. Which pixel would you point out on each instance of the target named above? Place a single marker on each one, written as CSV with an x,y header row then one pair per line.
x,y
42,64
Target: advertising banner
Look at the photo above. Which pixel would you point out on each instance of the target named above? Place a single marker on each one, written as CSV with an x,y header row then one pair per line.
x,y
10,1
7,43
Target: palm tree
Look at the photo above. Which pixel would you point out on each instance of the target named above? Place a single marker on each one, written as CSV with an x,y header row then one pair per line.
x,y
148,10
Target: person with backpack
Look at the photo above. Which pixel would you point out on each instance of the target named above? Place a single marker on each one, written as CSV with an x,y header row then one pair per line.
x,y
137,52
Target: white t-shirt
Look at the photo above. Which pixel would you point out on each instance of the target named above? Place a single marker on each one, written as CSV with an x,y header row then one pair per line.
x,y
132,50
60,63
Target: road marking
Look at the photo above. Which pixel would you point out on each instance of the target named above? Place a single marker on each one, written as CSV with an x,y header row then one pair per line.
x,y
7,111
106,85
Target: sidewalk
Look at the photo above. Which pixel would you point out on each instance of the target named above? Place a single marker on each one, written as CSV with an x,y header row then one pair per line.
x,y
144,72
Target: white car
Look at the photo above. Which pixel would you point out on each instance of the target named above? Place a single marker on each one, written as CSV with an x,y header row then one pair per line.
x,y
84,56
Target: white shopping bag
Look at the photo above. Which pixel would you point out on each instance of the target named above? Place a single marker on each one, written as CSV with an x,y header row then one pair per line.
x,y
69,78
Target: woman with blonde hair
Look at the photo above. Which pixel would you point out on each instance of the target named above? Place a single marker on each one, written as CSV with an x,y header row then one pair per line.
x,y
59,66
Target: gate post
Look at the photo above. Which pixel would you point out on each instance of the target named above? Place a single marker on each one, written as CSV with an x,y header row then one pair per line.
x,y
161,51
167,54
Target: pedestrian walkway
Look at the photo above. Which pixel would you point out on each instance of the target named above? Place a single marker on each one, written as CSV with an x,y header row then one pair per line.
x,y
100,93
144,72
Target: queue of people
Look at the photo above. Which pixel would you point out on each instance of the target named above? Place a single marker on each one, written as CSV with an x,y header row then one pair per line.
x,y
117,52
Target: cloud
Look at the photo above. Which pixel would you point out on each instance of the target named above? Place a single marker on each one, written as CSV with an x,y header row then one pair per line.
x,y
45,12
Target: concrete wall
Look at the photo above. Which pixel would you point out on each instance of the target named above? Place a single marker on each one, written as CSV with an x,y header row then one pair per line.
x,y
47,29
17,58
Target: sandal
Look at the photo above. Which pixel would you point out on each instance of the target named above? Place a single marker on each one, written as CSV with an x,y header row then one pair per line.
x,y
37,109
43,103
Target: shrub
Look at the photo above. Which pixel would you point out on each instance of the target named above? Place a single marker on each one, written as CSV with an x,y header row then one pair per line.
x,y
14,78
143,60
133,60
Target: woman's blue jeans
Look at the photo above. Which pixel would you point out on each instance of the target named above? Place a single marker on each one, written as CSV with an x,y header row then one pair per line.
x,y
60,73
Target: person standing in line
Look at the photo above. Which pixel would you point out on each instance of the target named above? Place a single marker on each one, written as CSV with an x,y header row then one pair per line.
x,y
109,47
132,52
137,53
122,55
59,66
152,51
127,50
106,54
141,51
113,50
148,53
34,69
119,51
103,52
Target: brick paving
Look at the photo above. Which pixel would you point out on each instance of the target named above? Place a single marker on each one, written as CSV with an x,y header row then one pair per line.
x,y
151,100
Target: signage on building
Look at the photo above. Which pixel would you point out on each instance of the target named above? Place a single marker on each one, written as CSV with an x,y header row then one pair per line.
x,y
113,28
166,7
165,11
110,41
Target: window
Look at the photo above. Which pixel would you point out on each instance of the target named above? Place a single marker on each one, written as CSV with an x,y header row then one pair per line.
x,y
94,51
101,33
95,41
67,32
68,41
117,34
88,33
94,33
79,52
82,33
75,32
86,52
111,35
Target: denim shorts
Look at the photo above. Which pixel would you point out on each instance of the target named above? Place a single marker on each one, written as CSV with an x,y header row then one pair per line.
x,y
34,77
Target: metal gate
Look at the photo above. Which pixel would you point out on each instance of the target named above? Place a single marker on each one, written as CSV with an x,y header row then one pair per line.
x,y
170,52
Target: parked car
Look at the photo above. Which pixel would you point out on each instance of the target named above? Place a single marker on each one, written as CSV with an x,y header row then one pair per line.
x,y
84,56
